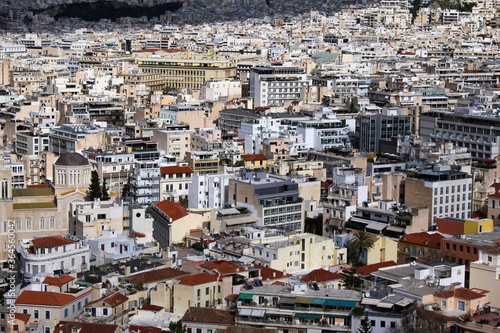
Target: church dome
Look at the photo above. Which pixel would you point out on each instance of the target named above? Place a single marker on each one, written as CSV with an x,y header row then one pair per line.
x,y
72,159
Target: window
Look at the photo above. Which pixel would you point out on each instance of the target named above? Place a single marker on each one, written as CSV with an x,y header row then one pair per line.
x,y
47,314
207,290
443,303
28,224
66,313
36,315
52,223
372,323
461,305
382,323
393,324
105,311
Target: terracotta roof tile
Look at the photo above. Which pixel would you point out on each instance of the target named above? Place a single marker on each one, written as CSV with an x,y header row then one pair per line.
x,y
144,329
208,315
462,293
113,299
254,157
51,242
58,281
197,279
175,169
151,307
33,297
223,266
174,210
155,275
68,326
24,317
432,240
368,269
270,273
321,275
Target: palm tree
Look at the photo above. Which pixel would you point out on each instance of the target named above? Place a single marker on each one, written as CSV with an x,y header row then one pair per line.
x,y
361,242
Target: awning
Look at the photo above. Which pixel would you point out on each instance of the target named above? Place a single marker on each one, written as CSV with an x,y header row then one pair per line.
x,y
318,301
277,313
240,220
287,300
348,304
328,315
245,296
258,313
303,300
245,312
385,305
370,301
332,302
404,302
395,229
377,226
308,315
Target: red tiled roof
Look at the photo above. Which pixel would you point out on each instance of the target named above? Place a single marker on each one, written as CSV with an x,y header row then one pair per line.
x,y
494,195
151,307
58,281
174,210
138,234
51,242
197,279
424,238
223,266
44,298
321,275
208,315
269,273
68,326
24,317
144,329
368,269
478,215
462,293
254,157
496,186
155,275
113,299
175,169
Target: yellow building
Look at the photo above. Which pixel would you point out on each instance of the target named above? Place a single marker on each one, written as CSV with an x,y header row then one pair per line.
x,y
185,69
478,225
384,249
200,290
254,161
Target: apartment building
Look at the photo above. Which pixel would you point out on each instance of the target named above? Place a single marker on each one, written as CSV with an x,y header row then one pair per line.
x,y
321,134
145,182
299,306
203,162
42,256
186,70
382,125
111,247
477,130
274,200
445,191
484,273
174,142
70,138
88,219
277,85
175,181
209,190
52,307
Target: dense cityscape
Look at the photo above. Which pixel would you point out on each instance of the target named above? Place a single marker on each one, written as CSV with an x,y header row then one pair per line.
x,y
255,166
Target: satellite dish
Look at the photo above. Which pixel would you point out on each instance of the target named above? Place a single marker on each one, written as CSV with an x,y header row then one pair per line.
x,y
135,268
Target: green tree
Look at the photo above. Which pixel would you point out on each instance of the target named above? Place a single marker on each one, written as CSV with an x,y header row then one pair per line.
x,y
361,242
104,191
365,326
176,327
351,280
95,186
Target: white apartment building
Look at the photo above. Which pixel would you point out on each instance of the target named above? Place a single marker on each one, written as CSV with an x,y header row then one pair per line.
x,y
44,255
320,134
175,181
220,90
209,190
111,247
277,85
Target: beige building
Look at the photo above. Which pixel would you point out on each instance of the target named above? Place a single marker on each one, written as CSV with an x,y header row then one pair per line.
x,y
384,249
200,290
186,69
88,219
484,274
175,143
493,208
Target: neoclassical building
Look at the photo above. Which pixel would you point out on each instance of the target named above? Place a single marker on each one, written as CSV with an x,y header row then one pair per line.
x,y
71,171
